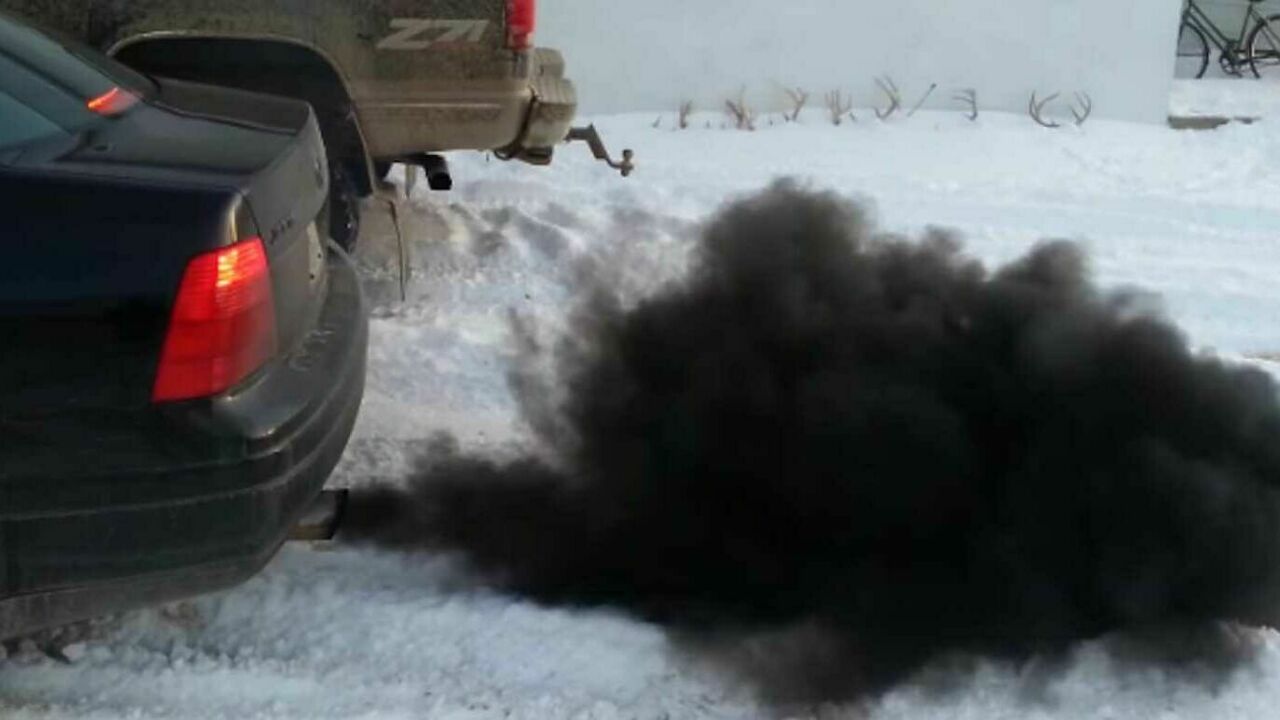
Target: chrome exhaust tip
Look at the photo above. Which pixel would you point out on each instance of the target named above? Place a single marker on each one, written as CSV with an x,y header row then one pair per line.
x,y
322,517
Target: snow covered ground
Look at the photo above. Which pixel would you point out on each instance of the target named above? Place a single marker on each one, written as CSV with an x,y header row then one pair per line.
x,y
1191,217
1227,97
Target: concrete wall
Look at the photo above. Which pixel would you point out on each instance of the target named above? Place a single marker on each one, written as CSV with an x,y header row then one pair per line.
x,y
648,55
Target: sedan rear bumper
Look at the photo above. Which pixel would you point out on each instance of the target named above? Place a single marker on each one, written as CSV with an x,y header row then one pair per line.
x,y
97,545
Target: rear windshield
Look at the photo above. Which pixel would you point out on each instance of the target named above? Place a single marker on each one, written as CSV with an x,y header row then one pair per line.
x,y
20,124
48,83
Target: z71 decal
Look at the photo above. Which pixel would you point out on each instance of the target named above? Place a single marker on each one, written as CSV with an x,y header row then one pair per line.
x,y
418,34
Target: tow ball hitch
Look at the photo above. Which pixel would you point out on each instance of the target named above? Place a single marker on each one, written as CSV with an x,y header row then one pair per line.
x,y
591,137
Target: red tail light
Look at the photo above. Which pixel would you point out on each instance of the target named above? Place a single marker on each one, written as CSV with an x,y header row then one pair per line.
x,y
223,325
522,18
112,102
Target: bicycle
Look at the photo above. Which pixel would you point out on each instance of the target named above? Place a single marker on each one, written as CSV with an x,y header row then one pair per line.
x,y
1258,48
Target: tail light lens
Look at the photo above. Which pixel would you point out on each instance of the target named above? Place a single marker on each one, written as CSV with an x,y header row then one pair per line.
x,y
522,18
112,102
223,326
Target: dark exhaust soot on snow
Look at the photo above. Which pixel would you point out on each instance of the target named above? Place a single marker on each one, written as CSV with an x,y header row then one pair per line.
x,y
830,456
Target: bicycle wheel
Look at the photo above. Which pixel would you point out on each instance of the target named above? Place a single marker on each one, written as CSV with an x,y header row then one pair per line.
x,y
1264,46
1193,53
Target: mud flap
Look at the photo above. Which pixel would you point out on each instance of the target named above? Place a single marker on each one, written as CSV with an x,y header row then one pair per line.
x,y
383,254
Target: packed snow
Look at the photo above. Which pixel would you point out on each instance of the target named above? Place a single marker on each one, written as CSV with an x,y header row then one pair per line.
x,y
1192,219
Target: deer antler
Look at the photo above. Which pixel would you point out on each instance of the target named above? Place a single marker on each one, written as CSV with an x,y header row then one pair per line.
x,y
895,98
838,106
741,112
969,97
799,98
1086,104
917,106
1036,109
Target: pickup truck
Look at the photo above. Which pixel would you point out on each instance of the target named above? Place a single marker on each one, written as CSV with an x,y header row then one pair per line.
x,y
390,80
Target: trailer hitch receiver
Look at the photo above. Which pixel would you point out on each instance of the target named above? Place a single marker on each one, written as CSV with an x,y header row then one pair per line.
x,y
591,137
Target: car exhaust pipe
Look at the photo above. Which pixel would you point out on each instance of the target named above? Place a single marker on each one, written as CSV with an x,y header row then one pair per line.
x,y
437,172
435,167
322,517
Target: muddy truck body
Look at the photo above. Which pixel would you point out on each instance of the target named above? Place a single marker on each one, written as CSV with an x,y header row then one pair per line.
x,y
390,80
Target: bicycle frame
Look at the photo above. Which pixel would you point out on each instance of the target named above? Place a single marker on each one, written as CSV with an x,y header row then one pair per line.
x,y
1270,31
1198,19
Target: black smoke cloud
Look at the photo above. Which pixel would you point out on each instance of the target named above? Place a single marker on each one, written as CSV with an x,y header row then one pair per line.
x,y
876,446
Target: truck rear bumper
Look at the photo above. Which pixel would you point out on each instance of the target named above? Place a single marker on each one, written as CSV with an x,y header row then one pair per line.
x,y
555,101
550,117
534,113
